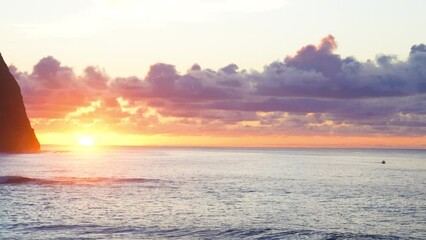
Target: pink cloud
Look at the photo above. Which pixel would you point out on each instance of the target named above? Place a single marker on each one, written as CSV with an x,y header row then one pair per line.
x,y
313,91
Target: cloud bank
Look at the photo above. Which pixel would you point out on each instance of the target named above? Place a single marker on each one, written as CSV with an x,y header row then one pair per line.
x,y
313,92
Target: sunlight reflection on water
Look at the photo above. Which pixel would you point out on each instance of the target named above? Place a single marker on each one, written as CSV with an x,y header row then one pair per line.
x,y
213,193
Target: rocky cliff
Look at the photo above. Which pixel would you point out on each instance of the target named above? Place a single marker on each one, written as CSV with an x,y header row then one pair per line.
x,y
16,134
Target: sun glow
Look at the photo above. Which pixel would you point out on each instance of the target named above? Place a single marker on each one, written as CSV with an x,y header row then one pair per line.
x,y
86,141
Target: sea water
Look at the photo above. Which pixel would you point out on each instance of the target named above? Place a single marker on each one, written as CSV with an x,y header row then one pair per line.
x,y
213,193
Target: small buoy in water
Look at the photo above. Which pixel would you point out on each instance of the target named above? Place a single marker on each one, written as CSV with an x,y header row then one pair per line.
x,y
383,162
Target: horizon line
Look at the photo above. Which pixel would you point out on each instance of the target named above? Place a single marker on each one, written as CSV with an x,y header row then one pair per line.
x,y
229,147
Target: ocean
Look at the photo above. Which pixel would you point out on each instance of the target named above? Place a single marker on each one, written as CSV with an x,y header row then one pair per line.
x,y
213,193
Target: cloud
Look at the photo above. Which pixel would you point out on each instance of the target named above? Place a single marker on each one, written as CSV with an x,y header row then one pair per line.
x,y
315,71
317,58
314,91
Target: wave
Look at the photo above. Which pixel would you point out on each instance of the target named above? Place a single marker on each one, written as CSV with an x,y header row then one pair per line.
x,y
69,180
234,233
268,233
14,179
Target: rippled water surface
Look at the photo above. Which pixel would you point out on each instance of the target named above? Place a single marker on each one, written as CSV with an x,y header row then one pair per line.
x,y
213,193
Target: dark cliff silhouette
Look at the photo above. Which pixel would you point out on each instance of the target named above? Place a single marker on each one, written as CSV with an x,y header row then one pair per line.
x,y
16,134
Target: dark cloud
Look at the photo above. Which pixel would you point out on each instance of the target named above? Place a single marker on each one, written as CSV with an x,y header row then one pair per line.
x,y
95,78
418,49
49,72
195,67
161,78
313,91
230,69
316,72
317,58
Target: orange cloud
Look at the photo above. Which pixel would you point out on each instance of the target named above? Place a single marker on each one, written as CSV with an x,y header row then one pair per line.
x,y
313,93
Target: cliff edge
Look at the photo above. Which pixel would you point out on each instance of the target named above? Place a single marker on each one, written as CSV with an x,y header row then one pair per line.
x,y
16,133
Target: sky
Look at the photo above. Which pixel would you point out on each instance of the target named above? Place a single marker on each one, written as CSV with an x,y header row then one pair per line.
x,y
269,73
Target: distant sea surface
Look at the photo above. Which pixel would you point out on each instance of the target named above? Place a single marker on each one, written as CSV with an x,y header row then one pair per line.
x,y
213,193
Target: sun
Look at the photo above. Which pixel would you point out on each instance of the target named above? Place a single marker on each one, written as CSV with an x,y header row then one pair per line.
x,y
86,141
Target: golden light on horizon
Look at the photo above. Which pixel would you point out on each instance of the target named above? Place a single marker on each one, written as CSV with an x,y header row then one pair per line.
x,y
115,139
86,141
